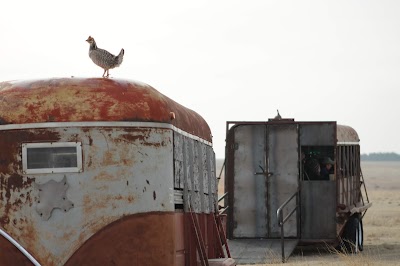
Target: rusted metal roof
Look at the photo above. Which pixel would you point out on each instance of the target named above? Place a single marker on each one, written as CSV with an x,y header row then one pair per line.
x,y
93,99
346,134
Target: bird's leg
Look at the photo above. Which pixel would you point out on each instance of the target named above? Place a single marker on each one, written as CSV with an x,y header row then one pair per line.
x,y
108,74
104,74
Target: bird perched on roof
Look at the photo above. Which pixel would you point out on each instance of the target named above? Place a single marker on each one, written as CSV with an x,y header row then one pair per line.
x,y
103,58
278,116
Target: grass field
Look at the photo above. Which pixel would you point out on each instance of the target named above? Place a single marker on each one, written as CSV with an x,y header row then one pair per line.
x,y
381,223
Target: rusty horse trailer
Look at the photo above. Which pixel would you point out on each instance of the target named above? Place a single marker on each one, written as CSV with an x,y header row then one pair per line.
x,y
274,197
105,172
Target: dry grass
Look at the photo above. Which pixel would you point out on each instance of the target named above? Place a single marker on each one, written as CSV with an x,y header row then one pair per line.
x,y
381,224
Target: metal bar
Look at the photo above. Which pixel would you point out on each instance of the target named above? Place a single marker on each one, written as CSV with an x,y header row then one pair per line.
x,y
18,246
204,261
281,220
229,177
217,235
199,237
282,243
228,252
290,214
279,211
298,215
222,211
222,197
365,190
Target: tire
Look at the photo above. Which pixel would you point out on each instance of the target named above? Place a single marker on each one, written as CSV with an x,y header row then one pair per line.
x,y
360,238
353,235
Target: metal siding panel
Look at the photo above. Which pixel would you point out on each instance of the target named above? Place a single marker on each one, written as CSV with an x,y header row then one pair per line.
x,y
178,160
189,162
249,189
197,201
126,171
186,177
201,176
196,170
212,180
318,210
206,203
193,172
318,134
204,162
283,163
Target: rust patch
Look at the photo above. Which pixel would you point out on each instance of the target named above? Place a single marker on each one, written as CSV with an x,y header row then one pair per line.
x,y
141,136
130,198
11,141
16,182
134,138
11,178
94,202
140,239
105,176
74,99
13,184
90,140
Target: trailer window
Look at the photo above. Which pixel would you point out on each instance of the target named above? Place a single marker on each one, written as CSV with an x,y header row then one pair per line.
x,y
312,158
52,157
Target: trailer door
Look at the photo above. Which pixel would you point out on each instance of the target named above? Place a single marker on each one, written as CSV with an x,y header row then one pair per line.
x,y
249,190
283,160
265,174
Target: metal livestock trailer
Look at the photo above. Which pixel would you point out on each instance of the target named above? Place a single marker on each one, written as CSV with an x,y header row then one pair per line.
x,y
276,196
105,172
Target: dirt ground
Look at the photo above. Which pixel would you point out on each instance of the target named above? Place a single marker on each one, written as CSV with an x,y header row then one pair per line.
x,y
381,223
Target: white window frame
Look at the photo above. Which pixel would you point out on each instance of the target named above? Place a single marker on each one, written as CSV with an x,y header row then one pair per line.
x,y
26,146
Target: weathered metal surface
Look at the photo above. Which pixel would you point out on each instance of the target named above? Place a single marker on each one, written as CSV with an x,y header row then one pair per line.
x,y
262,173
283,156
93,99
180,246
321,133
52,195
346,134
141,239
195,173
212,186
250,197
129,170
178,160
325,204
318,211
126,171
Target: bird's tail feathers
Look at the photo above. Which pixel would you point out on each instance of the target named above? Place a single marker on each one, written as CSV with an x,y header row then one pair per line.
x,y
120,57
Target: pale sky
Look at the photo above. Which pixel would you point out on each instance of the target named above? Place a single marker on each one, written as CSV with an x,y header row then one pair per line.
x,y
227,60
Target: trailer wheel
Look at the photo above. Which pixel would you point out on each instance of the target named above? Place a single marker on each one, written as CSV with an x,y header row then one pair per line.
x,y
360,234
353,235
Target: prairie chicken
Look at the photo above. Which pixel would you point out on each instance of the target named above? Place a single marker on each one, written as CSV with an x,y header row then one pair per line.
x,y
103,58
